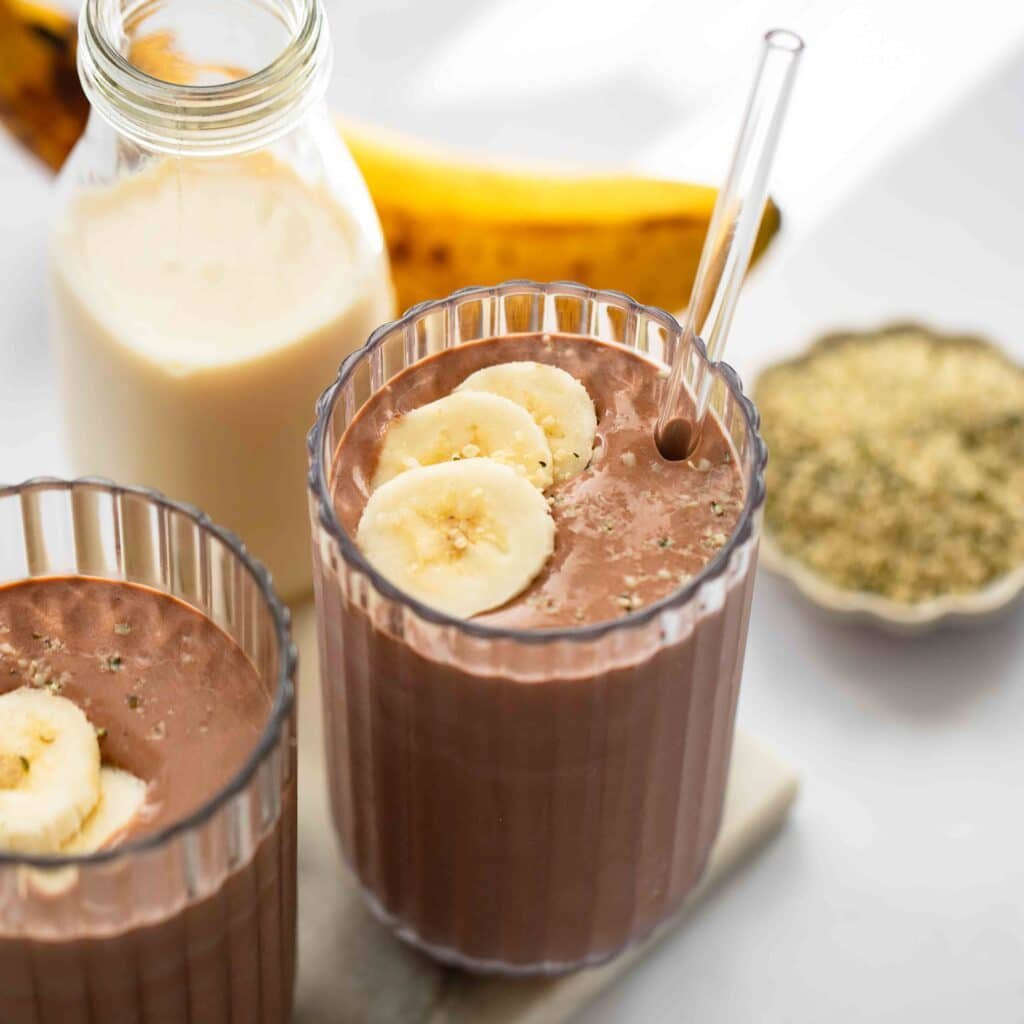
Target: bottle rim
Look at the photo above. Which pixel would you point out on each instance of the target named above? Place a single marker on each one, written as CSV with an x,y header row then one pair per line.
x,y
207,119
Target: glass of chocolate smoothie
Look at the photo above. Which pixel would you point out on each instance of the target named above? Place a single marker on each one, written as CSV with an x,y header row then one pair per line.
x,y
532,626
147,765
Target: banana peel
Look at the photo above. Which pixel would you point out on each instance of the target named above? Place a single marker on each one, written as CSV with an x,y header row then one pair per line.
x,y
449,221
41,98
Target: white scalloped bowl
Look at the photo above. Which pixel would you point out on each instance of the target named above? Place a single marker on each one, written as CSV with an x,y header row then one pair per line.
x,y
898,617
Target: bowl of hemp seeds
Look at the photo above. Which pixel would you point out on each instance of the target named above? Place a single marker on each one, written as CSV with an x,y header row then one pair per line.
x,y
896,476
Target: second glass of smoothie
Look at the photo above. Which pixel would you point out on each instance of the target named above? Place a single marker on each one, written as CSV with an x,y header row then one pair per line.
x,y
534,787
147,765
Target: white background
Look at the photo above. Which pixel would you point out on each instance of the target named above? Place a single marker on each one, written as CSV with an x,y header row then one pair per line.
x,y
896,893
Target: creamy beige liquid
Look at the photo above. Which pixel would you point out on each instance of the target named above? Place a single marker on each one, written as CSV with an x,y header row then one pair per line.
x,y
199,308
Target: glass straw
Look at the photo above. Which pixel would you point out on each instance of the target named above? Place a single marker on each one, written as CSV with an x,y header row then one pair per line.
x,y
727,247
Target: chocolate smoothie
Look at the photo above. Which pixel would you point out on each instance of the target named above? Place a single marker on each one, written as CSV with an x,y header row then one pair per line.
x,y
176,703
629,530
535,801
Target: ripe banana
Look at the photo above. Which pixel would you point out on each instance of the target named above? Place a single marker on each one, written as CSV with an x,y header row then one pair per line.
x,y
466,425
461,537
41,99
121,798
558,403
448,221
49,770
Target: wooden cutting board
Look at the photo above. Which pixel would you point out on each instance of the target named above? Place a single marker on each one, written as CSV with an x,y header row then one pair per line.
x,y
353,971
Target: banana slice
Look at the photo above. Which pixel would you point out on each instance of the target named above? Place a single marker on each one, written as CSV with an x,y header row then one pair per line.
x,y
121,798
462,537
466,426
556,400
49,771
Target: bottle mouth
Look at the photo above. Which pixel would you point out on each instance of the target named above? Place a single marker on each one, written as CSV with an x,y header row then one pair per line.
x,y
152,90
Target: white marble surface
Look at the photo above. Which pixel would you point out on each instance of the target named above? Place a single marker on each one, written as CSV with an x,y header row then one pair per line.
x,y
895,894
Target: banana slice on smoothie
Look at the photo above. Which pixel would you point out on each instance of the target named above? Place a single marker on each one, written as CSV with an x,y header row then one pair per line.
x,y
557,401
466,425
49,771
462,537
121,798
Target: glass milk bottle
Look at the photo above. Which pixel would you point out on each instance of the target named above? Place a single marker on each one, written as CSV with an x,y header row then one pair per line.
x,y
215,255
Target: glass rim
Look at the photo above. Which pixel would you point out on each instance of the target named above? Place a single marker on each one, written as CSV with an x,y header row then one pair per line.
x,y
320,489
284,696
